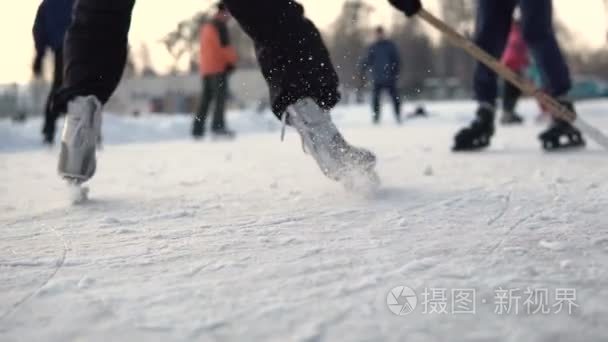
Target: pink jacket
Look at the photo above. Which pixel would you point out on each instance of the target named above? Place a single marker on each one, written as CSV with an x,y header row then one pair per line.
x,y
516,54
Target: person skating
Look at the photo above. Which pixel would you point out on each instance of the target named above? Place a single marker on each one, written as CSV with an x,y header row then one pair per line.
x,y
217,60
517,59
492,28
383,62
294,61
52,20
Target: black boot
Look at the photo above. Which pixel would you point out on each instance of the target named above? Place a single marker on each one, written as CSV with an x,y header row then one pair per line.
x,y
477,136
48,132
376,119
511,95
561,134
198,128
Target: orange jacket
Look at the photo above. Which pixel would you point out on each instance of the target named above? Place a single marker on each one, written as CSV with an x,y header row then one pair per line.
x,y
214,58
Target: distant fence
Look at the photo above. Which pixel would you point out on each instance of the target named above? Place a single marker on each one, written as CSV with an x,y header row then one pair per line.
x,y
180,94
166,94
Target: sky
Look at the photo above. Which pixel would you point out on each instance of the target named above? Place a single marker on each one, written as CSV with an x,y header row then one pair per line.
x,y
152,19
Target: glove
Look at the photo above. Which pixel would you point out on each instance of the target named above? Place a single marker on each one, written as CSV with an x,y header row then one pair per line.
x,y
37,66
409,7
293,73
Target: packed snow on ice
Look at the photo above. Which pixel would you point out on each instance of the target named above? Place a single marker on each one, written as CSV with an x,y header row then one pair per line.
x,y
247,240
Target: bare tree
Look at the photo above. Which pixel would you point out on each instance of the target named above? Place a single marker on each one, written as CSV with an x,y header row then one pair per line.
x,y
146,63
582,60
460,14
347,42
417,55
183,42
453,62
130,70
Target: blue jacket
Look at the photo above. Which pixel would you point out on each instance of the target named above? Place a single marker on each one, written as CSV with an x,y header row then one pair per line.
x,y
52,21
383,61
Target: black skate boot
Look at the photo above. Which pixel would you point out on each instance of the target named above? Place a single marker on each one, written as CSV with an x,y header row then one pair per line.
x,y
561,134
48,140
48,133
477,136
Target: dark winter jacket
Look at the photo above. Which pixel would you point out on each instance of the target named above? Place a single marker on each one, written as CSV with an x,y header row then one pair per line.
x,y
217,55
383,61
291,53
52,21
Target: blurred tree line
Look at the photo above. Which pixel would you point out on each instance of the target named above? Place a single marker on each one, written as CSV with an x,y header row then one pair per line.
x,y
582,61
422,58
347,38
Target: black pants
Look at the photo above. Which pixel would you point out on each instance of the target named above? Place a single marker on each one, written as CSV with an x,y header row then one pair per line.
x,y
51,115
214,91
510,97
494,18
391,88
291,53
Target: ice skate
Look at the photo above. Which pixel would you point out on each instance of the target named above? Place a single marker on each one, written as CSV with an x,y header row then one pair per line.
x,y
337,159
561,135
77,161
477,136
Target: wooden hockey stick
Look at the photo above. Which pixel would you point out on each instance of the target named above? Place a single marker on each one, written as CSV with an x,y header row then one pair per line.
x,y
556,109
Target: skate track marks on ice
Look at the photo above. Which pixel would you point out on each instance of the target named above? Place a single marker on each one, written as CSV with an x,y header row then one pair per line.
x,y
246,240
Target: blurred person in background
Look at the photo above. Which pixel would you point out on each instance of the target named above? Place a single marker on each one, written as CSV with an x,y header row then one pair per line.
x,y
217,60
51,23
535,75
493,23
383,62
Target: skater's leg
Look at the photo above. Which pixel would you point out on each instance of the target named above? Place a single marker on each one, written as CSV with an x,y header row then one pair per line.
x,y
538,32
396,99
510,97
51,115
290,50
95,50
491,32
537,20
492,26
300,75
207,94
49,122
376,106
218,123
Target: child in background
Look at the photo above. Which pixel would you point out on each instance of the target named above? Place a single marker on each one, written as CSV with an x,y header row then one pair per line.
x,y
516,58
